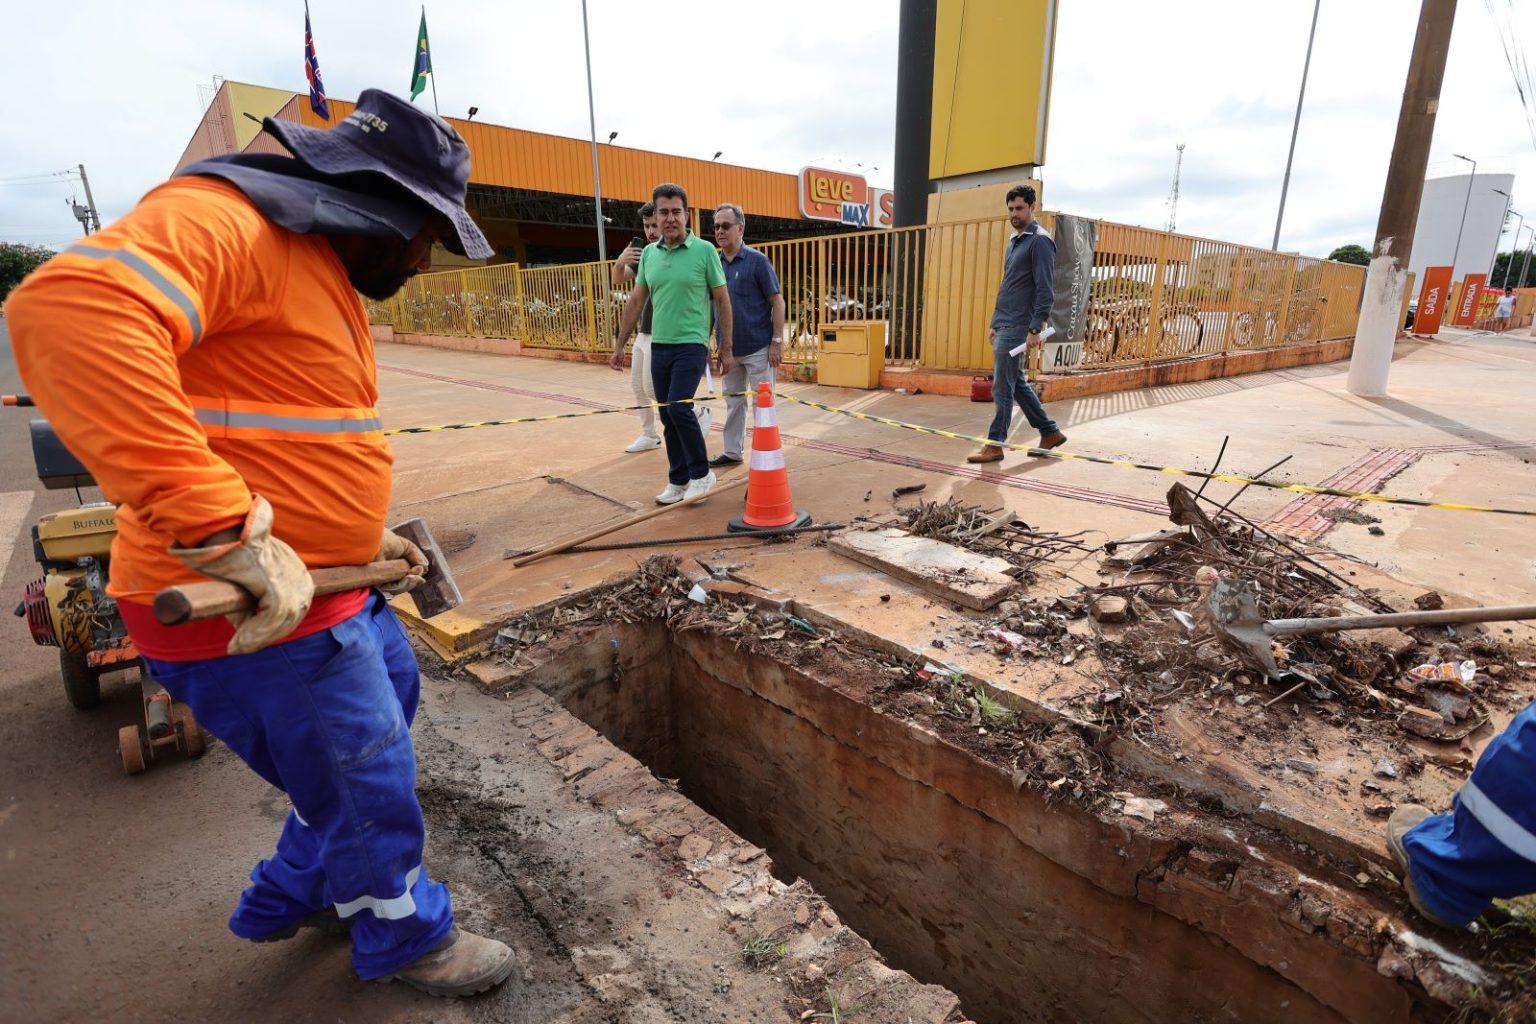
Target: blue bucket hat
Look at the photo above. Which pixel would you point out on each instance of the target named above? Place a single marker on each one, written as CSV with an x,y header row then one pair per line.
x,y
389,137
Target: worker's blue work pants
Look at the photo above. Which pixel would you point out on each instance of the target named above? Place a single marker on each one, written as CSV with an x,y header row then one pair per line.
x,y
1486,847
326,718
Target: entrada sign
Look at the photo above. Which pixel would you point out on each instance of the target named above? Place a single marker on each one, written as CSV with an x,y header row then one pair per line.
x,y
844,198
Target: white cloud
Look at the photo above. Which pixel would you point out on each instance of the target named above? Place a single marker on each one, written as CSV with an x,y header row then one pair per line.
x,y
116,87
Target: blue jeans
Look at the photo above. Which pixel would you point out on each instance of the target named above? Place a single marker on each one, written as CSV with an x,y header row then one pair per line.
x,y
676,370
1009,385
1486,847
326,718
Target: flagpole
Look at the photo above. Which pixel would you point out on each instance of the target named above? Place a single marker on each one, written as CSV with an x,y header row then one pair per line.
x,y
434,66
597,181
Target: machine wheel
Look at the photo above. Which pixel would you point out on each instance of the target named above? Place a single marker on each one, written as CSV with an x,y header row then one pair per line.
x,y
130,744
82,683
194,742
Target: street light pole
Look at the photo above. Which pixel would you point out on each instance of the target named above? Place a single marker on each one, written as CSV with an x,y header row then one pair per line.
x,y
1513,249
1525,264
1464,204
1503,219
1306,66
597,181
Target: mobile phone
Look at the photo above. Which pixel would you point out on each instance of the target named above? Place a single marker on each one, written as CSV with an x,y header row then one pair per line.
x,y
637,242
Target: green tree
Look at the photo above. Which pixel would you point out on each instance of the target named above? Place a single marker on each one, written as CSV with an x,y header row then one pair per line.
x,y
1501,265
1357,254
17,261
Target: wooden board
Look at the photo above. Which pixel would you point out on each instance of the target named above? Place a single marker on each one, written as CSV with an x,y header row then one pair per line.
x,y
952,573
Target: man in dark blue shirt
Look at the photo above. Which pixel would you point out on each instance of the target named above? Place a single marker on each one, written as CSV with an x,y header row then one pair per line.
x,y
757,341
1023,309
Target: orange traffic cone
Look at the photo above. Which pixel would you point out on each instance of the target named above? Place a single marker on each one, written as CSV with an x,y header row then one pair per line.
x,y
769,506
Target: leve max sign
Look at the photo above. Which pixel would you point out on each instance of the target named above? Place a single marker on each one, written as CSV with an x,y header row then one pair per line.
x,y
845,198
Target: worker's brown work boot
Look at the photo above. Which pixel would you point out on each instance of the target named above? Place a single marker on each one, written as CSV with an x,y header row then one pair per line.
x,y
464,965
988,453
1402,821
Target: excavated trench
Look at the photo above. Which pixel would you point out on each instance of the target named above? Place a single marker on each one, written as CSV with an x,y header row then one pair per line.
x,y
1028,911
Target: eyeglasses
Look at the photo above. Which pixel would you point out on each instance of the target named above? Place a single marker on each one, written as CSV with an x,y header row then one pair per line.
x,y
725,225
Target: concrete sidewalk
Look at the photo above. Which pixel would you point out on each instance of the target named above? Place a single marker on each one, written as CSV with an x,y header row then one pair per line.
x,y
1459,427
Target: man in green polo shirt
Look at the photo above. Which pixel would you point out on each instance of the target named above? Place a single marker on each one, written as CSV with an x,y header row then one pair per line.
x,y
680,275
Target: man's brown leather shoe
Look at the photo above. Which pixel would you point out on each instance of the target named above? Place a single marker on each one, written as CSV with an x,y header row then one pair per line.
x,y
988,453
1056,440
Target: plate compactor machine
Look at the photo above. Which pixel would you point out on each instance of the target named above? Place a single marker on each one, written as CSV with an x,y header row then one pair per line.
x,y
68,608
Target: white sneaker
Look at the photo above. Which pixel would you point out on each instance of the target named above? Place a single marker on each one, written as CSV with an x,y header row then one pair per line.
x,y
700,487
644,443
672,495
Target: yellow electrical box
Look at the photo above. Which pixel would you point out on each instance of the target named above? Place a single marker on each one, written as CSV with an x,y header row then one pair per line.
x,y
852,354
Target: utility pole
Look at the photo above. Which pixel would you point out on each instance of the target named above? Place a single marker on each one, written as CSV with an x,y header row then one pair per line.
x,y
1376,331
90,203
1285,184
1173,193
1525,264
597,181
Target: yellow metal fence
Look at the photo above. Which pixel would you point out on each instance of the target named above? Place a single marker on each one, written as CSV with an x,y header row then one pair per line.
x,y
1155,295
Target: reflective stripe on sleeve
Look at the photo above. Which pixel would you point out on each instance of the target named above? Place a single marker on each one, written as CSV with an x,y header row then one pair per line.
x,y
1500,825
152,277
391,909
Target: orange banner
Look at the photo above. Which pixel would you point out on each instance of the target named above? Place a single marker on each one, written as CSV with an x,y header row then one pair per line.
x,y
1471,292
1432,299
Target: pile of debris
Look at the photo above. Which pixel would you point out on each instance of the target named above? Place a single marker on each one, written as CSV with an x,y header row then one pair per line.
x,y
1194,609
997,532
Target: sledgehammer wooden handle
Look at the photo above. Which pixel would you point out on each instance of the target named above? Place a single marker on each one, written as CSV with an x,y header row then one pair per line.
x,y
207,599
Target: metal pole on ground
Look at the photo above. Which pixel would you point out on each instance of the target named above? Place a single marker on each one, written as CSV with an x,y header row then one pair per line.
x,y
597,181
1306,66
1385,279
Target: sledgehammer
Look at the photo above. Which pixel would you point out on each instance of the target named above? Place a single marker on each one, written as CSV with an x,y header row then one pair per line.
x,y
437,592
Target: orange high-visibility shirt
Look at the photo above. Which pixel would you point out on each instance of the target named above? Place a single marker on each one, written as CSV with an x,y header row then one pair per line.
x,y
194,353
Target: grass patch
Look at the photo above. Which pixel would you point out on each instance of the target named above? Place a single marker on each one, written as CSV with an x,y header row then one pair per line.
x,y
761,951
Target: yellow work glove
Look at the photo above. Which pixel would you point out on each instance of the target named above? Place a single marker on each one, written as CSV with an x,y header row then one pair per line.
x,y
393,546
263,565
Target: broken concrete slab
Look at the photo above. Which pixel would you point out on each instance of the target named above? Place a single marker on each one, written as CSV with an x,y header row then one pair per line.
x,y
954,574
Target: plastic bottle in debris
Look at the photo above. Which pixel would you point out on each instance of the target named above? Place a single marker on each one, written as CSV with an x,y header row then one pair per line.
x,y
1450,671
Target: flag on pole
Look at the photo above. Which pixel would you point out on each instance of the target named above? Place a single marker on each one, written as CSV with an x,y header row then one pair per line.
x,y
317,102
423,65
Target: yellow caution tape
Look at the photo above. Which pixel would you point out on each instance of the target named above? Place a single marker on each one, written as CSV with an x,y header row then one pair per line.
x,y
1227,478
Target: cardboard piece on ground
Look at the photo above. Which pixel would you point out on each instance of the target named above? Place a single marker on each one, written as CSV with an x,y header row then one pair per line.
x,y
952,573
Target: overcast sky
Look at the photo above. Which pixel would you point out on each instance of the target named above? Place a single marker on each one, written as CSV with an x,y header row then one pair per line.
x,y
116,86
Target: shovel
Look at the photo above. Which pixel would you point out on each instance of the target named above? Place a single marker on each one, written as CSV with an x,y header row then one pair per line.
x,y
1235,615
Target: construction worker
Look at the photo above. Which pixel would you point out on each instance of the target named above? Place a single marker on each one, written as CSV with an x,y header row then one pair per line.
x,y
1455,865
231,414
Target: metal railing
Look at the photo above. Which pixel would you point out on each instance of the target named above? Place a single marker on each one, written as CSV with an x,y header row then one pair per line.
x,y
1154,296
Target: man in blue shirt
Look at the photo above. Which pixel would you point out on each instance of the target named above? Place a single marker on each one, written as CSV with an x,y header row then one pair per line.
x,y
757,341
1023,309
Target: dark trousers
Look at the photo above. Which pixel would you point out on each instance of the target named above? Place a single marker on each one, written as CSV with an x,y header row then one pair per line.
x,y
1009,385
676,370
